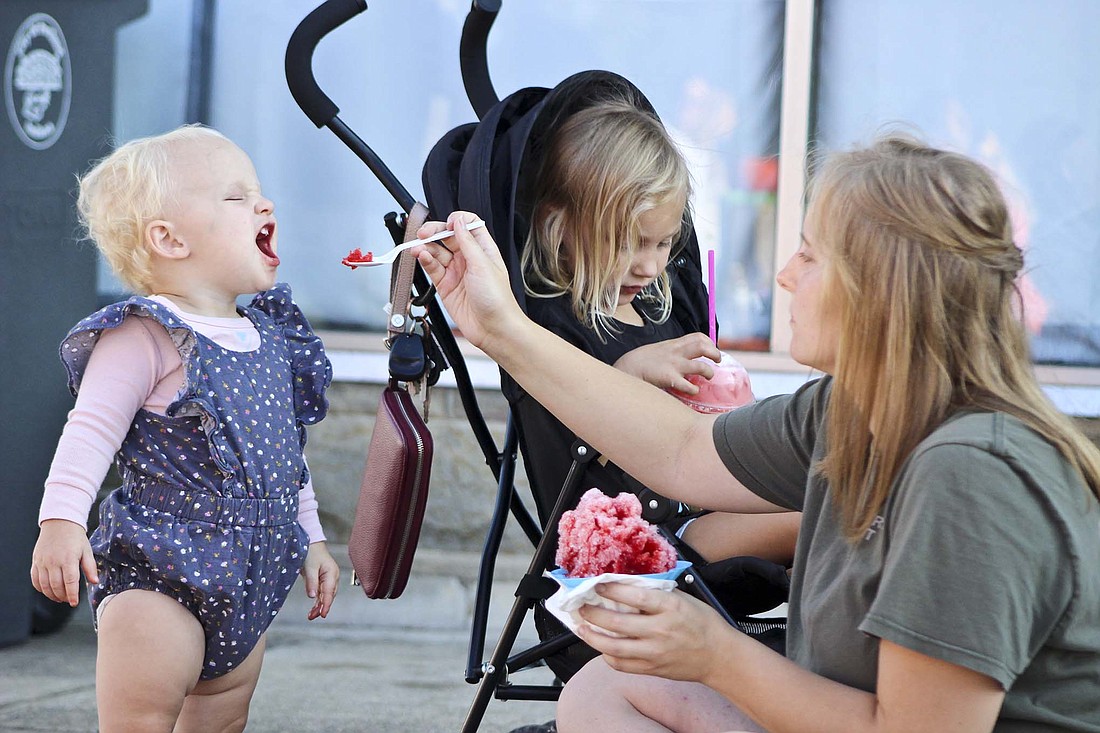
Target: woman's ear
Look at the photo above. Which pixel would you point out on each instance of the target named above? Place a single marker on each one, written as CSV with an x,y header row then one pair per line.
x,y
162,241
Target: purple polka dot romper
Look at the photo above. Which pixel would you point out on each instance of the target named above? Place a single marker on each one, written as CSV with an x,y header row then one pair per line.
x,y
207,512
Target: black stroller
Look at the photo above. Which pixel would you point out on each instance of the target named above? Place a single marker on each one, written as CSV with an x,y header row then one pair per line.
x,y
480,167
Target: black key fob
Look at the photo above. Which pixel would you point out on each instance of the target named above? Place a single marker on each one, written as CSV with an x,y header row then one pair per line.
x,y
407,362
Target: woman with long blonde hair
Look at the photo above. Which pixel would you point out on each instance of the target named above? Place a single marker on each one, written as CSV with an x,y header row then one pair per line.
x,y
945,577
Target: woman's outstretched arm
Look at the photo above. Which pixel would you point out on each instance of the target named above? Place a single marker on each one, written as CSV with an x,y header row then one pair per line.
x,y
647,432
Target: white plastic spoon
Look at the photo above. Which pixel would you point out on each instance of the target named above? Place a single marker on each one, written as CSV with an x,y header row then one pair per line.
x,y
392,254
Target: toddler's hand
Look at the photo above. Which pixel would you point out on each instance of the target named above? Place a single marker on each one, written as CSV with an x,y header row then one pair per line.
x,y
666,364
62,551
322,575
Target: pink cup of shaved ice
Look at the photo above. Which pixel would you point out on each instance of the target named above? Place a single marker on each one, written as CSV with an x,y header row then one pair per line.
x,y
728,389
606,534
606,539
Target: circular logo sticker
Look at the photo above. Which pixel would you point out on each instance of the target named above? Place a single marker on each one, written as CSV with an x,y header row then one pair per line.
x,y
38,81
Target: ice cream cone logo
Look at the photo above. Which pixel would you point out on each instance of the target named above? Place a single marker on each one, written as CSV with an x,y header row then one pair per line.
x,y
38,81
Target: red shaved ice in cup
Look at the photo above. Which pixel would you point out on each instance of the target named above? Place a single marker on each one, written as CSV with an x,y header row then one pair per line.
x,y
605,539
607,534
728,389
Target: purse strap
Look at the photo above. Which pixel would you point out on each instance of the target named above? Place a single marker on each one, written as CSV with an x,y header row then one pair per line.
x,y
404,269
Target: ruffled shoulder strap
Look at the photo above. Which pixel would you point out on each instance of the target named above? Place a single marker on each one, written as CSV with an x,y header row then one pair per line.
x,y
309,364
77,346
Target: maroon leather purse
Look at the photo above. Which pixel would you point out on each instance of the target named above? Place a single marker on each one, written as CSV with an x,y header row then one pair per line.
x,y
394,490
392,496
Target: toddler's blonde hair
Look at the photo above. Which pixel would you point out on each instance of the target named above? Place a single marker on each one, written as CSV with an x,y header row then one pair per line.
x,y
123,192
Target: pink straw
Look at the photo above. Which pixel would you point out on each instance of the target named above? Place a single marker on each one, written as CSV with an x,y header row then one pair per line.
x,y
710,297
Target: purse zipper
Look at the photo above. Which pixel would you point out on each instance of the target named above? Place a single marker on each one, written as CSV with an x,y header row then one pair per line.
x,y
411,514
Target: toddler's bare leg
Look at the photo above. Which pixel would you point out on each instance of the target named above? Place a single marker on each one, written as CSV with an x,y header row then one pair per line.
x,y
221,705
599,698
149,657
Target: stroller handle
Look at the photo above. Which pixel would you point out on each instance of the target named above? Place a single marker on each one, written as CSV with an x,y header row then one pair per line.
x,y
299,57
473,57
318,107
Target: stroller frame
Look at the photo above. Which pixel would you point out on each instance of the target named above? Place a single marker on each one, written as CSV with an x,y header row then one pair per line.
x,y
492,676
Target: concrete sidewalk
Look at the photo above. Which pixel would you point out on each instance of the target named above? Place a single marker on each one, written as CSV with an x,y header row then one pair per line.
x,y
371,667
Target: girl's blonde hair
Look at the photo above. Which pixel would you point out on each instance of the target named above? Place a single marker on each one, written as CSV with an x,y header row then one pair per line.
x,y
923,272
126,190
606,165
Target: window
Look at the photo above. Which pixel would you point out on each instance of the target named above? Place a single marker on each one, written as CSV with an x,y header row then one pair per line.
x,y
710,67
747,87
1011,84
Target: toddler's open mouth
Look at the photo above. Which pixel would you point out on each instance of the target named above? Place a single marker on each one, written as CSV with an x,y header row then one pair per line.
x,y
263,243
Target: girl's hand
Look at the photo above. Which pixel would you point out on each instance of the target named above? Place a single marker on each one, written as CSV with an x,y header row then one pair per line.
x,y
62,551
673,635
666,364
322,575
470,277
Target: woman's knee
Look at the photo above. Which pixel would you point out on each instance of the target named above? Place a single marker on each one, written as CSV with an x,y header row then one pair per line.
x,y
598,697
595,689
571,697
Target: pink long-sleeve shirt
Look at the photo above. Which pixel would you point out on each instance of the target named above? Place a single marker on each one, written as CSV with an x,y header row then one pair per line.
x,y
109,397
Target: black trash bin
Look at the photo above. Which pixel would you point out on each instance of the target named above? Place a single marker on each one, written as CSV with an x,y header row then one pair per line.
x,y
58,88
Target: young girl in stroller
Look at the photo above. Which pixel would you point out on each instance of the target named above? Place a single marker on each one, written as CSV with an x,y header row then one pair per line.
x,y
609,208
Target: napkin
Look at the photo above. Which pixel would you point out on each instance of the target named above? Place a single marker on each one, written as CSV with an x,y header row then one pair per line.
x,y
577,592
